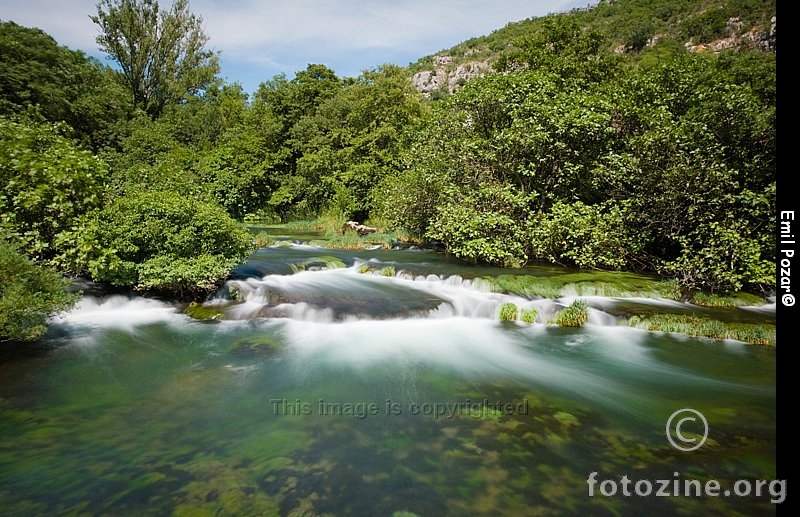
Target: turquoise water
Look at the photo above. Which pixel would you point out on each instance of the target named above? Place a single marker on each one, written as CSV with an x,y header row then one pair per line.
x,y
328,388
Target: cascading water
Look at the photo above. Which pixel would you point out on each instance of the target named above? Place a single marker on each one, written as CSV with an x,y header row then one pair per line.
x,y
375,383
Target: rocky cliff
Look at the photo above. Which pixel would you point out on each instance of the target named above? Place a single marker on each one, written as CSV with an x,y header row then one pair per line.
x,y
449,71
737,38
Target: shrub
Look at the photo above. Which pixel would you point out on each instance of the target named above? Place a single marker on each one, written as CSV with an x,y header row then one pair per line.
x,y
264,239
721,258
483,226
585,236
162,241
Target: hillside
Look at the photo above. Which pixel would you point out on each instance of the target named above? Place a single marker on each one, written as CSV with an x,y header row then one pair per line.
x,y
629,27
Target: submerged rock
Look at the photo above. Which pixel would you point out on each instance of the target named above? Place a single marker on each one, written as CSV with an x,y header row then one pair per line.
x,y
257,346
203,312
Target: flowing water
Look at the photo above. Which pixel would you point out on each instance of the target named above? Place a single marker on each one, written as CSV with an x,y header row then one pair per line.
x,y
377,383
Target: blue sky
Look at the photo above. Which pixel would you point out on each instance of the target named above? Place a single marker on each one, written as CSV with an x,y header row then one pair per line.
x,y
258,39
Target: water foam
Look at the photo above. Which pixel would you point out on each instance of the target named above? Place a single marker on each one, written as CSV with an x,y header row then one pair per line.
x,y
117,311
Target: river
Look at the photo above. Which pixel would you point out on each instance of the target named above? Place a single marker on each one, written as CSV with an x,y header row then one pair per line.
x,y
379,383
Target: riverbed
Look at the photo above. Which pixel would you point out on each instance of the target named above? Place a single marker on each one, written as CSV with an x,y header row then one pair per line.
x,y
380,382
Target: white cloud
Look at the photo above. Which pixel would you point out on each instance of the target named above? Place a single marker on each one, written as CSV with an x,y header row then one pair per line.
x,y
350,25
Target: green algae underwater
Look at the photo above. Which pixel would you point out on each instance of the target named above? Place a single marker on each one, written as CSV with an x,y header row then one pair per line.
x,y
377,382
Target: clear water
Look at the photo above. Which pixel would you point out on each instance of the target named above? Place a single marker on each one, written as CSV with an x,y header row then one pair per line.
x,y
330,391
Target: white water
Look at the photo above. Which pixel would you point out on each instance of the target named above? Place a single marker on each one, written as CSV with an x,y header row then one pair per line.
x,y
117,311
459,298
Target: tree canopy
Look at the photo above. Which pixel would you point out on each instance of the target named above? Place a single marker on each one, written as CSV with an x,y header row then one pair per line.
x,y
162,53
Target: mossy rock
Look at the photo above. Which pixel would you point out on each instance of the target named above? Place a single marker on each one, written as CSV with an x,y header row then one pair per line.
x,y
317,263
257,346
203,312
575,315
529,315
566,419
735,299
508,312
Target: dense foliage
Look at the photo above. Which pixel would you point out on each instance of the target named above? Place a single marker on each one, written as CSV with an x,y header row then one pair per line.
x,y
29,295
61,85
574,156
46,183
579,158
598,141
163,242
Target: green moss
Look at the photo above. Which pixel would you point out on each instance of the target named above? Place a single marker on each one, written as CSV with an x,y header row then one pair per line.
x,y
508,312
566,419
573,316
199,311
736,299
257,346
529,315
321,262
599,283
755,334
264,239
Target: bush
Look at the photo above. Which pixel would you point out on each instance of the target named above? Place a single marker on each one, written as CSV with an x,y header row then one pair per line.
x,y
483,226
162,241
29,295
584,236
721,258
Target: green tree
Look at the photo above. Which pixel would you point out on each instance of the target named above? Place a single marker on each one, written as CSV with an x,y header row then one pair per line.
x,y
354,140
696,170
161,53
289,101
486,225
239,172
595,236
277,107
29,295
46,184
60,84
